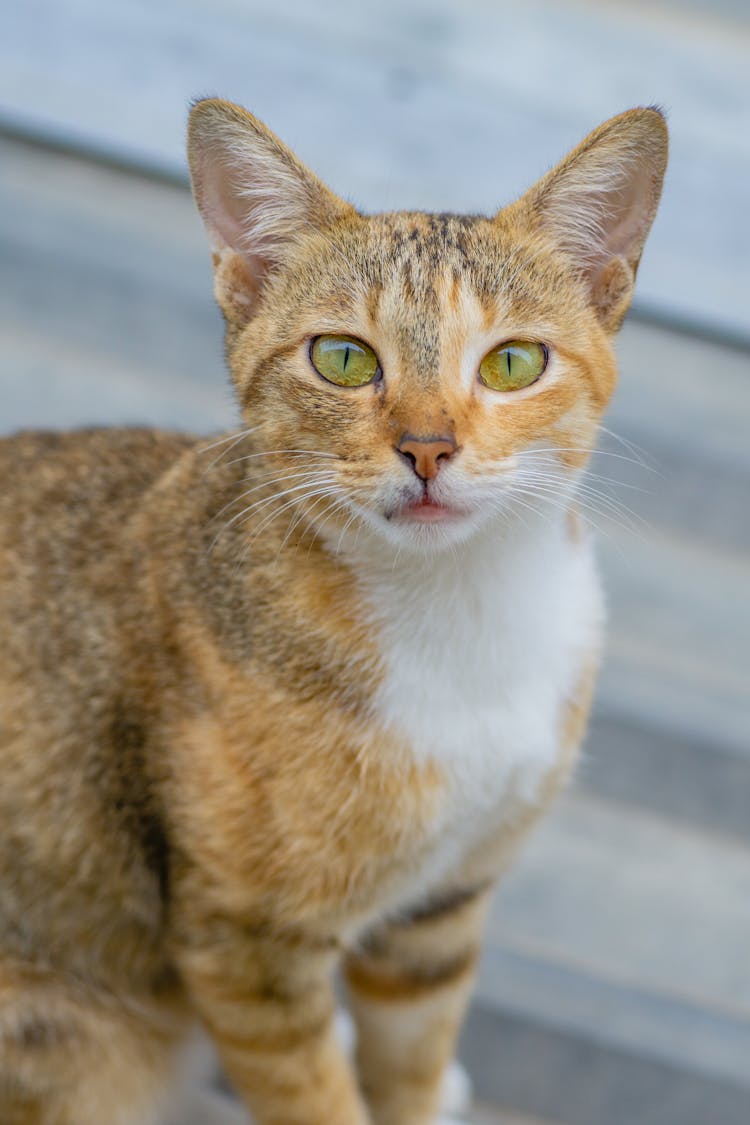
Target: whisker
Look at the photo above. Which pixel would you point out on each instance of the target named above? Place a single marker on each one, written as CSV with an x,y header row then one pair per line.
x,y
598,504
584,479
297,519
638,453
584,484
517,501
328,512
275,452
325,490
595,451
268,519
267,483
233,437
353,516
260,504
317,526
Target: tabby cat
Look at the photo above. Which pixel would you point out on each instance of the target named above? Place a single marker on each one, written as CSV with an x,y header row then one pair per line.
x,y
290,699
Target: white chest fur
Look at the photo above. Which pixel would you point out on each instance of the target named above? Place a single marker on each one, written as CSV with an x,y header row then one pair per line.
x,y
482,649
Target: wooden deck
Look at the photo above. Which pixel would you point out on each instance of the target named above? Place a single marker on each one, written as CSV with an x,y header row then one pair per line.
x,y
615,988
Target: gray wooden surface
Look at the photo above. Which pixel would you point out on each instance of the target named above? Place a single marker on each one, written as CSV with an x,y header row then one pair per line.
x,y
615,988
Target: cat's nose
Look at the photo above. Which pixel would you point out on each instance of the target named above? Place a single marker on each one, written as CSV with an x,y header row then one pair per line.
x,y
425,455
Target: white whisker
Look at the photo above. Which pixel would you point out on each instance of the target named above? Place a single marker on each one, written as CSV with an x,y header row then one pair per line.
x,y
278,452
266,501
324,490
267,483
639,454
595,452
233,438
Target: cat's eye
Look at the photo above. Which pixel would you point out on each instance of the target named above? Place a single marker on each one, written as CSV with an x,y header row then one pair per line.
x,y
513,365
343,360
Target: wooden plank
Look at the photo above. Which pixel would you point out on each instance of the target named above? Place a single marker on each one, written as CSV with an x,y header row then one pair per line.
x,y
486,1115
694,782
678,648
563,1077
630,931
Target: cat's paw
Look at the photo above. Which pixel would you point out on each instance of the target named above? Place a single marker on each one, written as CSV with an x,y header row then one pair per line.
x,y
456,1094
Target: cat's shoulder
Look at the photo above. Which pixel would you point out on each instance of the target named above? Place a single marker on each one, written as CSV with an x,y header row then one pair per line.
x,y
40,466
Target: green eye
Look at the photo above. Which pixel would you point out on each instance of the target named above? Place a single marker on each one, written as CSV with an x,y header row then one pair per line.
x,y
514,365
344,361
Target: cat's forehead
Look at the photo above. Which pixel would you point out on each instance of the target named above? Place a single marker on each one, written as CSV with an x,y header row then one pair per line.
x,y
427,237
438,264
433,277
421,247
418,264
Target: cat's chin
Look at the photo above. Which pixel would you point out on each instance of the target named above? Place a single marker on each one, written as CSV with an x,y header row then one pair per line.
x,y
431,537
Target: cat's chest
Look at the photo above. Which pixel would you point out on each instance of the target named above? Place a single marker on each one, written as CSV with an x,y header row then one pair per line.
x,y
479,661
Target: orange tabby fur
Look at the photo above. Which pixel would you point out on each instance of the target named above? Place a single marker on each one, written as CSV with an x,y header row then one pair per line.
x,y
203,810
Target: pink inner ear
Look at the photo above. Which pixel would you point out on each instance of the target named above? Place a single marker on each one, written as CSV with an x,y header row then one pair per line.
x,y
222,205
625,217
228,207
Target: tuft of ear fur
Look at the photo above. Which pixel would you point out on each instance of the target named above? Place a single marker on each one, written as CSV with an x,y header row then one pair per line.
x,y
598,204
256,199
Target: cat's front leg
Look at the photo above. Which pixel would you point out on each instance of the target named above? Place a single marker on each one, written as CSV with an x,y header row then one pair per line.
x,y
409,986
265,998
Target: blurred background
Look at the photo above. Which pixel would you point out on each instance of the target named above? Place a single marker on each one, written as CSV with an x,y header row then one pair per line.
x,y
615,987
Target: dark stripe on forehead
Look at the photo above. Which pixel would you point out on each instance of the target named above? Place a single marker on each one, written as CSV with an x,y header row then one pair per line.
x,y
420,256
417,321
427,250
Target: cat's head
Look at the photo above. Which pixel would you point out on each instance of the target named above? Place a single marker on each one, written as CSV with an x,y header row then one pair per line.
x,y
428,373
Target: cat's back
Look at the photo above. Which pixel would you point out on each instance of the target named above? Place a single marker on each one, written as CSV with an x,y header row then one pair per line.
x,y
67,570
65,499
52,484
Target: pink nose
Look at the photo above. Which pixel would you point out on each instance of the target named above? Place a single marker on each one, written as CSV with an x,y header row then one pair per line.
x,y
426,454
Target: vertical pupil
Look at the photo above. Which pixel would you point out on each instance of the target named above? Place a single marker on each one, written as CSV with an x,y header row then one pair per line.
x,y
507,356
346,357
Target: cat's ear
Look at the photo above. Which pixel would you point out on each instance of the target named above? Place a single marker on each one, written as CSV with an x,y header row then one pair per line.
x,y
255,197
598,204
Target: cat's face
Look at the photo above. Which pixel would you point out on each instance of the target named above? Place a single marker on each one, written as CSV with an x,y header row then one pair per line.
x,y
421,374
424,450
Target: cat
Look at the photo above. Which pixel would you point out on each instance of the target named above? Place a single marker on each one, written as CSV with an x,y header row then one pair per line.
x,y
290,699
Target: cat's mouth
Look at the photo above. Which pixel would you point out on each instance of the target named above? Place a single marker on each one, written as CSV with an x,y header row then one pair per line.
x,y
427,510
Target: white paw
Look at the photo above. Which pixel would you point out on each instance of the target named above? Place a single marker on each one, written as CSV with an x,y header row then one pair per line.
x,y
456,1093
